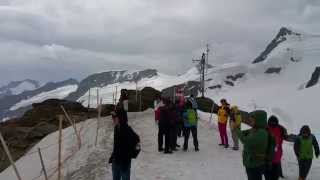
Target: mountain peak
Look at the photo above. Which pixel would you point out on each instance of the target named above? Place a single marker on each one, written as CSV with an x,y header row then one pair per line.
x,y
282,36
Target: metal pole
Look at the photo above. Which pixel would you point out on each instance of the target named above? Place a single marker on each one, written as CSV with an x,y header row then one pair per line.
x,y
42,164
6,149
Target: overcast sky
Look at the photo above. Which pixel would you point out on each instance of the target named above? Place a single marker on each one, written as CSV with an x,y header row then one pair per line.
x,y
59,39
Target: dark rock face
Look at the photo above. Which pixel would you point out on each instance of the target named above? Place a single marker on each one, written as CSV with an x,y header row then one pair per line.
x,y
8,101
106,78
281,37
273,70
6,90
314,78
23,133
148,95
215,87
229,83
191,87
236,76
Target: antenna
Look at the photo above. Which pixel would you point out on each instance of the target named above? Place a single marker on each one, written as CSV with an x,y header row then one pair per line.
x,y
202,65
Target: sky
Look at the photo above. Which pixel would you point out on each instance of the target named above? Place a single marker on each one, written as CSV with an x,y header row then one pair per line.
x,y
53,40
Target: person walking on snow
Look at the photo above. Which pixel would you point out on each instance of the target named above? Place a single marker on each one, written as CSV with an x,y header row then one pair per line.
x,y
235,123
223,115
280,134
157,104
124,141
255,145
165,127
305,146
190,120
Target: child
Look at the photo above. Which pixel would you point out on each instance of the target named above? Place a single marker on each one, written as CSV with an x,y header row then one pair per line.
x,y
304,147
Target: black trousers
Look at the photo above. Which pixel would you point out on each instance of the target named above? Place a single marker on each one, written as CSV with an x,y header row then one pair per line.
x,y
273,172
164,131
255,173
194,132
173,136
304,167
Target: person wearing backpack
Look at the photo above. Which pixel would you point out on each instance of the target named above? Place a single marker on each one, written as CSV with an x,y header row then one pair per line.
x,y
126,146
280,134
255,145
305,146
223,115
235,123
165,127
190,120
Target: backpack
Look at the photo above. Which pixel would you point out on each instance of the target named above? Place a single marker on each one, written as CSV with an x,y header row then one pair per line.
x,y
192,117
135,146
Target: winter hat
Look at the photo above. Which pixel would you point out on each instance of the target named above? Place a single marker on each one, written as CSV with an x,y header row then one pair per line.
x,y
305,129
235,108
273,121
260,117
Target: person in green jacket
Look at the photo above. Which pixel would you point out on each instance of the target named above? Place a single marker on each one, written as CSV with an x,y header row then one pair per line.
x,y
305,146
255,145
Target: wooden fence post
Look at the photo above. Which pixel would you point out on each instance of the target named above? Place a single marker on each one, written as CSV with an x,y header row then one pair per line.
x,y
6,149
211,112
42,164
60,117
89,100
73,123
98,122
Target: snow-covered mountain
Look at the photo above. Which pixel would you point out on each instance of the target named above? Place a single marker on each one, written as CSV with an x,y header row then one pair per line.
x,y
18,87
15,105
283,80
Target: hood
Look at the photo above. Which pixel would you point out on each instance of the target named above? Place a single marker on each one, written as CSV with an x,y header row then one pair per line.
x,y
260,117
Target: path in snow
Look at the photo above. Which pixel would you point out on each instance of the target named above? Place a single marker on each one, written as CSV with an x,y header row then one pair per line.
x,y
212,162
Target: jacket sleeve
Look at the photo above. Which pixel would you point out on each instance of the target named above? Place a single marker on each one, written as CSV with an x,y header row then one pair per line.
x,y
296,147
243,136
315,146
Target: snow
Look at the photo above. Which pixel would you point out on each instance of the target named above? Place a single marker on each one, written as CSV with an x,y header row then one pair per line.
x,y
24,86
159,82
90,162
58,93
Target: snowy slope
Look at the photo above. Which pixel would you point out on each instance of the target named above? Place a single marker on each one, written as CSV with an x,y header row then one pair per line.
x,y
159,82
282,94
90,162
58,93
18,87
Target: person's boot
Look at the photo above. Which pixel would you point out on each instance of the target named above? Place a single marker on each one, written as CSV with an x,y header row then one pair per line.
x,y
226,146
167,152
160,149
196,149
235,148
221,144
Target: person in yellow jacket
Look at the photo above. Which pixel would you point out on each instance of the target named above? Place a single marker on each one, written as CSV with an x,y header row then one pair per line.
x,y
223,115
235,123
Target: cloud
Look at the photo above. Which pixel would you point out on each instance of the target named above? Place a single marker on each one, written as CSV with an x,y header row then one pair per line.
x,y
79,37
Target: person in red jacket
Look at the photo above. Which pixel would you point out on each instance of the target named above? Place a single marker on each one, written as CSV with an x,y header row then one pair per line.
x,y
280,134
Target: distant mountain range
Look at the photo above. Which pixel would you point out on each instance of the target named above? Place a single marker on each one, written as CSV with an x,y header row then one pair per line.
x,y
283,56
